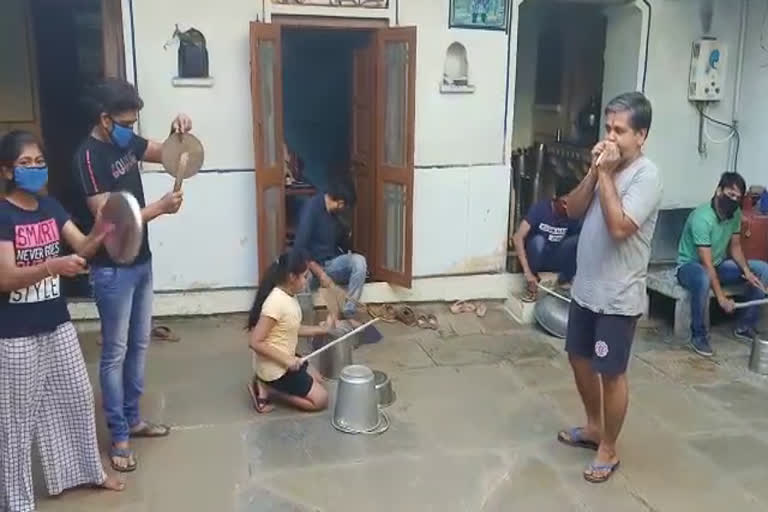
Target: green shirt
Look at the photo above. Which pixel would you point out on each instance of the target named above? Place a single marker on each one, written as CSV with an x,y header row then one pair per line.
x,y
705,229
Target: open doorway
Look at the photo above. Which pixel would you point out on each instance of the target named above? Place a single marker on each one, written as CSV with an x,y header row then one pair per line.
x,y
55,49
330,101
317,115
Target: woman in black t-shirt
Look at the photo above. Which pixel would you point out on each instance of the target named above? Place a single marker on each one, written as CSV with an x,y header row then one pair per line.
x,y
45,393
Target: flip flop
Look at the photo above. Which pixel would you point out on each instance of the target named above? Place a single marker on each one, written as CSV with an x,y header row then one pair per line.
x,y
261,405
481,309
384,312
607,469
150,429
462,306
432,321
163,333
124,453
423,322
406,315
575,438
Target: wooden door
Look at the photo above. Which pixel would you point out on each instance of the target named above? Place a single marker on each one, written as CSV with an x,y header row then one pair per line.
x,y
267,104
19,99
394,136
362,151
112,39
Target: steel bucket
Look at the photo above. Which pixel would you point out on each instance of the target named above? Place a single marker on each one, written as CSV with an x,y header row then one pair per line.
x,y
332,361
357,403
758,359
551,313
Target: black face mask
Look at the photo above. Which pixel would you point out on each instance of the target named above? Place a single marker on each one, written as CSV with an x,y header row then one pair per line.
x,y
727,206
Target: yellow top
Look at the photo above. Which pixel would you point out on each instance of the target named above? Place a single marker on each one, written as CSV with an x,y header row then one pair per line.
x,y
284,336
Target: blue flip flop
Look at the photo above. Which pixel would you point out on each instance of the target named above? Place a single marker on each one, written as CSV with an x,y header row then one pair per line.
x,y
608,469
575,438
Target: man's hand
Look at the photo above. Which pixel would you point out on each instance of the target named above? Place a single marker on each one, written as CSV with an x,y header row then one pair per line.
x,y
181,124
754,281
533,281
609,158
68,266
597,151
727,304
171,202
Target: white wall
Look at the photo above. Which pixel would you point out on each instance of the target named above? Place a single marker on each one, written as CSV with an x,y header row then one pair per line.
x,y
754,100
688,178
460,212
457,129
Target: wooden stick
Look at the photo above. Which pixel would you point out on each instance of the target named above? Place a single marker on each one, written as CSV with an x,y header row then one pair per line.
x,y
181,172
760,302
553,292
339,340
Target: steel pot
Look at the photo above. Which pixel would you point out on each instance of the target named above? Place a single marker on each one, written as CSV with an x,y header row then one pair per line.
x,y
357,404
383,388
758,360
551,313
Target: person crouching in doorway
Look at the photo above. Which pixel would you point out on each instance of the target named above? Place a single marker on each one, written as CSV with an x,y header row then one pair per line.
x,y
546,240
274,324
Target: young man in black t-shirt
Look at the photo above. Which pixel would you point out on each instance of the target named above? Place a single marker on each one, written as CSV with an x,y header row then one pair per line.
x,y
108,161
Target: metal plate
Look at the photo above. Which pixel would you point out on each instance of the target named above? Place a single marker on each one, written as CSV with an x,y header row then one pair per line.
x,y
124,241
175,146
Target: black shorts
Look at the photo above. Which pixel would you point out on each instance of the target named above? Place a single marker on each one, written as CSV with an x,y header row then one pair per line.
x,y
604,339
296,383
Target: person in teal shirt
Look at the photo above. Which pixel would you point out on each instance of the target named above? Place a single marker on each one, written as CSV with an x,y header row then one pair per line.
x,y
710,256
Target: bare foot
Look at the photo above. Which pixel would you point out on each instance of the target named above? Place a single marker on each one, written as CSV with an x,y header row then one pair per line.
x,y
112,483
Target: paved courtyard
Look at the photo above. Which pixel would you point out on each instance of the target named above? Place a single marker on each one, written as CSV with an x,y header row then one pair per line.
x,y
473,429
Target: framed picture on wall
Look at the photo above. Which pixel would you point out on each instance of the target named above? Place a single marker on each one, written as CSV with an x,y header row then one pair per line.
x,y
479,14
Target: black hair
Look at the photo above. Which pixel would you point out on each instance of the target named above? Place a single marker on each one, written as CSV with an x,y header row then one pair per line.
x,y
564,186
292,262
639,107
11,146
341,189
111,96
732,179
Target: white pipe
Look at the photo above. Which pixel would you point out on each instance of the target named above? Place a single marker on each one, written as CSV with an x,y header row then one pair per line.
x,y
739,74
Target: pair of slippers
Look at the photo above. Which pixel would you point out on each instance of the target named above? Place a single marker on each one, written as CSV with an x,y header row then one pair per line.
x,y
595,473
463,306
403,314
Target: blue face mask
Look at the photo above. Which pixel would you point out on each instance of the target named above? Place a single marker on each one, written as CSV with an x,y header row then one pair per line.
x,y
121,135
30,179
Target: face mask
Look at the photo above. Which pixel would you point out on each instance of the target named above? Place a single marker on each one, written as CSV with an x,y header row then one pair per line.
x,y
121,135
30,179
727,206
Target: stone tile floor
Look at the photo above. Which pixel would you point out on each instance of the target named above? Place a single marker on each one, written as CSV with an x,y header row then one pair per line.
x,y
473,429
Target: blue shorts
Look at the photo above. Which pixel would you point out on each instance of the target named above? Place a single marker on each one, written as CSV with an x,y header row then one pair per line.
x,y
606,340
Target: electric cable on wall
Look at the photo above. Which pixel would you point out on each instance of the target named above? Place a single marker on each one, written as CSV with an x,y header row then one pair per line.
x,y
734,132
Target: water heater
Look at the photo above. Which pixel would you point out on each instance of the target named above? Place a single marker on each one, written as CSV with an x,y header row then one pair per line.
x,y
707,76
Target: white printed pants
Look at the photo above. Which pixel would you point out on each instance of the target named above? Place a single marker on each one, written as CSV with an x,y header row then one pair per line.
x,y
45,395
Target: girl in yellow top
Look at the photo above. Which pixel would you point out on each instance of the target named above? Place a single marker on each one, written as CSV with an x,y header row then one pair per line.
x,y
275,326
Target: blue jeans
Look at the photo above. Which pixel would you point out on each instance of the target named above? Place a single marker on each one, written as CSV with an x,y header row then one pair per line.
x,y
350,270
124,300
543,256
693,277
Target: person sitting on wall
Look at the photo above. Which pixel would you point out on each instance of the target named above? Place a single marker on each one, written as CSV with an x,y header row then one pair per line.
x,y
326,238
546,240
711,234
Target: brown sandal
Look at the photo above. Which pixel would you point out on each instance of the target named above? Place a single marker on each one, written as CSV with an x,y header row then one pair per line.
x,y
406,315
384,312
261,405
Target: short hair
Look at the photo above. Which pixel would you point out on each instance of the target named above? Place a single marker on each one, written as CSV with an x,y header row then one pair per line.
x,y
341,189
639,107
111,96
564,186
733,179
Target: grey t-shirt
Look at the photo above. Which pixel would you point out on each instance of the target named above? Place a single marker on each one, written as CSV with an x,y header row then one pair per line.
x,y
610,274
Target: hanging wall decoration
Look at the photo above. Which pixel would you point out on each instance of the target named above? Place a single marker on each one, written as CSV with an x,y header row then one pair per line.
x,y
479,14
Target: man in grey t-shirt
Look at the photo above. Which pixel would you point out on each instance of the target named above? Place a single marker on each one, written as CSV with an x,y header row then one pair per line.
x,y
619,200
